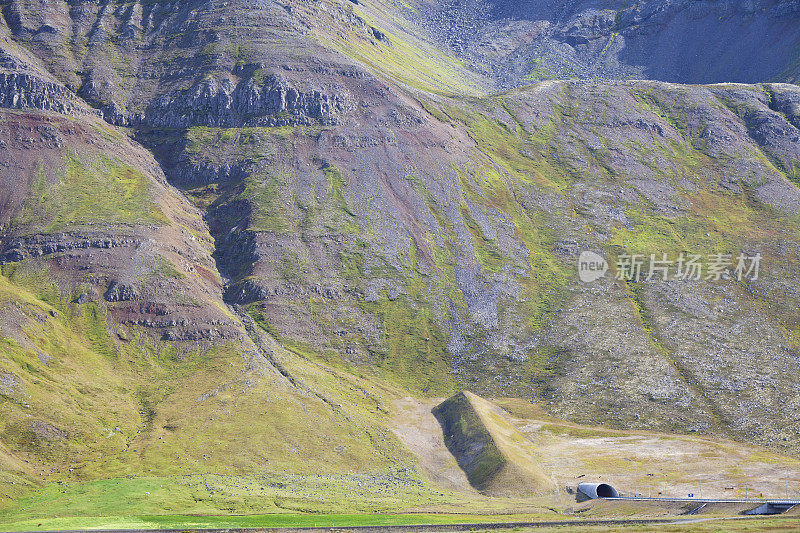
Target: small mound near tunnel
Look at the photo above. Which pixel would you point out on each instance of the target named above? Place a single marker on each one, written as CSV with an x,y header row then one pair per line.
x,y
497,458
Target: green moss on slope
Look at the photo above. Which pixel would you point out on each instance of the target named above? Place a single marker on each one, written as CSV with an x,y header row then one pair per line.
x,y
89,191
343,217
266,196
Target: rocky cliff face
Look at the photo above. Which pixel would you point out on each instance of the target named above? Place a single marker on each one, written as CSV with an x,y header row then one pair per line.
x,y
24,91
229,103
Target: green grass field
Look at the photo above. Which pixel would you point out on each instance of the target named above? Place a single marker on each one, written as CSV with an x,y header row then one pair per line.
x,y
253,521
344,520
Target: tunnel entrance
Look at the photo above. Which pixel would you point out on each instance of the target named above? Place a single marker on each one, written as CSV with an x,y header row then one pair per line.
x,y
597,490
605,490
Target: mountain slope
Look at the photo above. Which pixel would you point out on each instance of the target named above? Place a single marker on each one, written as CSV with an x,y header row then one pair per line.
x,y
482,267
238,231
119,354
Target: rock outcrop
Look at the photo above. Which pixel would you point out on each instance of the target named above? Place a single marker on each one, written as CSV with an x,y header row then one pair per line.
x,y
25,91
228,103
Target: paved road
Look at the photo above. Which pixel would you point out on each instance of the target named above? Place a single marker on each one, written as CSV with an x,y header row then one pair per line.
x,y
705,500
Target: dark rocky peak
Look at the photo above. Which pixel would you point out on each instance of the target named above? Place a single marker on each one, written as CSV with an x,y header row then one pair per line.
x,y
683,41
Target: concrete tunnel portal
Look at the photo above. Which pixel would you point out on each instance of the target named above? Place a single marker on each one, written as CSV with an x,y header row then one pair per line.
x,y
598,490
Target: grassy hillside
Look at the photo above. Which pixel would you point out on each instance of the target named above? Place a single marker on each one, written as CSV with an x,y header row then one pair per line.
x,y
80,405
566,452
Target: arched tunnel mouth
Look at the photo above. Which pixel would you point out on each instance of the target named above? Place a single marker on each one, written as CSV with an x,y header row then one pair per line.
x,y
604,490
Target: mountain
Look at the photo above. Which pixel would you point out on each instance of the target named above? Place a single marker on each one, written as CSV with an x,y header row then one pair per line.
x,y
681,41
234,234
